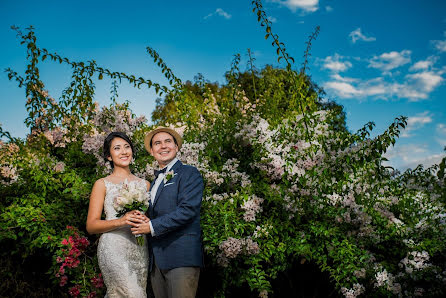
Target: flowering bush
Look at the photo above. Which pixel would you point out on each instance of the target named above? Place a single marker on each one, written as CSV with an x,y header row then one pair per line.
x,y
272,195
283,185
84,277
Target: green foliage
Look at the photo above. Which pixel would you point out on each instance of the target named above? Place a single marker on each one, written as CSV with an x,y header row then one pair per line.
x,y
286,184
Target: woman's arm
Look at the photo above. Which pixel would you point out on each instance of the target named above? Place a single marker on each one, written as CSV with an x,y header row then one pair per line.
x,y
95,225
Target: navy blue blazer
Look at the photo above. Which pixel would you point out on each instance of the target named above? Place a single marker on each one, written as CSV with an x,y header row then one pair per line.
x,y
175,217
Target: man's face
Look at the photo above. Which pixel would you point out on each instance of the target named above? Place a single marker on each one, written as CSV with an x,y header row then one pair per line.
x,y
163,148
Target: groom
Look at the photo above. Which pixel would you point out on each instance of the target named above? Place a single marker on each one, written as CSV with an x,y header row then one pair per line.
x,y
174,219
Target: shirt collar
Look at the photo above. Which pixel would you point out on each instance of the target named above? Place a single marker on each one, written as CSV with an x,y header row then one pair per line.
x,y
170,164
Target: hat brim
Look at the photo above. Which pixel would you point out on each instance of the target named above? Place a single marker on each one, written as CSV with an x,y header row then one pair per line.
x,y
173,133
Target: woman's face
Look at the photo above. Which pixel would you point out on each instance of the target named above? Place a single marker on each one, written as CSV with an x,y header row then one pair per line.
x,y
120,152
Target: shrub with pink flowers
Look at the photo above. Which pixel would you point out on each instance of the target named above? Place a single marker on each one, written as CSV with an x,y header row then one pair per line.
x,y
75,265
287,185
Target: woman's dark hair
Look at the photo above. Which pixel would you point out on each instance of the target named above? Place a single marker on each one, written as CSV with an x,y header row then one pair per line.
x,y
107,144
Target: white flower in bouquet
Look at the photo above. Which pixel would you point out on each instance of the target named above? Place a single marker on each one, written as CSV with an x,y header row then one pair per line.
x,y
118,203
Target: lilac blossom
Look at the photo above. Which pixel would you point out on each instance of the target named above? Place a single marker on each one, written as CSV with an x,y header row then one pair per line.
x,y
252,207
233,247
415,261
59,167
357,290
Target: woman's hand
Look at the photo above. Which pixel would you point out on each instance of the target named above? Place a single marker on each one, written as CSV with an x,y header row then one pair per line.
x,y
128,218
140,223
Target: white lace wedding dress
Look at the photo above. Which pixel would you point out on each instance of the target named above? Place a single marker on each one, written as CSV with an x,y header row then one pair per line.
x,y
123,263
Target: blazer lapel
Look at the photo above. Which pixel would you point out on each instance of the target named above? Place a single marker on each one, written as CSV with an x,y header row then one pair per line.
x,y
158,193
176,166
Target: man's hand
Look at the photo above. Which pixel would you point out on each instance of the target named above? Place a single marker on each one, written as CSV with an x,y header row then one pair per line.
x,y
140,224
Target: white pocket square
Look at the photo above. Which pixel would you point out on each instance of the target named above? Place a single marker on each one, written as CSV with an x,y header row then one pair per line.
x,y
168,184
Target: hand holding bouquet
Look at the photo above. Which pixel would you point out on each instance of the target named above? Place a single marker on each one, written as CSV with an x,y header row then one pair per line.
x,y
132,197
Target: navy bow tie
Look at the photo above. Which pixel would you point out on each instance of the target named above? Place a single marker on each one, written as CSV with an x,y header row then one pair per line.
x,y
157,172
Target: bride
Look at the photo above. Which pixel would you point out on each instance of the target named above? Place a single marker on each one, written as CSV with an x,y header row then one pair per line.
x,y
123,263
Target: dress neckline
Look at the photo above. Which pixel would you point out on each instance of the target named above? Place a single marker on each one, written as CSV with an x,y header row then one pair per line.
x,y
118,183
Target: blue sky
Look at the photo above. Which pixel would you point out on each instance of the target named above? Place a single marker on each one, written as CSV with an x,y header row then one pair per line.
x,y
379,59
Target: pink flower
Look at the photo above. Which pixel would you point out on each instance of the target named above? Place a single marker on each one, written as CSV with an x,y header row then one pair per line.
x,y
98,282
63,280
83,243
71,262
64,242
74,252
74,291
75,263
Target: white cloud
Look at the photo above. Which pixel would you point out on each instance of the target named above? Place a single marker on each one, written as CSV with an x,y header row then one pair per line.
x,y
424,64
375,90
346,90
407,90
272,19
403,151
388,61
441,128
335,64
343,89
416,122
337,77
351,87
303,5
416,86
356,35
441,134
426,161
328,8
407,156
440,45
425,81
219,12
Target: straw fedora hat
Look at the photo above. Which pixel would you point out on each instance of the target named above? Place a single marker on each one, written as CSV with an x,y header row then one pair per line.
x,y
173,133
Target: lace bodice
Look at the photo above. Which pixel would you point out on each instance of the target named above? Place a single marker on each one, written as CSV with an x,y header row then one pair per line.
x,y
112,191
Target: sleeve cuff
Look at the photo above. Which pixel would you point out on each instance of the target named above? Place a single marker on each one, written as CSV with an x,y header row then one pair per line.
x,y
151,229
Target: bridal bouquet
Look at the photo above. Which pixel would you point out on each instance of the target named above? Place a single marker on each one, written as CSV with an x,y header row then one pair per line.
x,y
131,197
